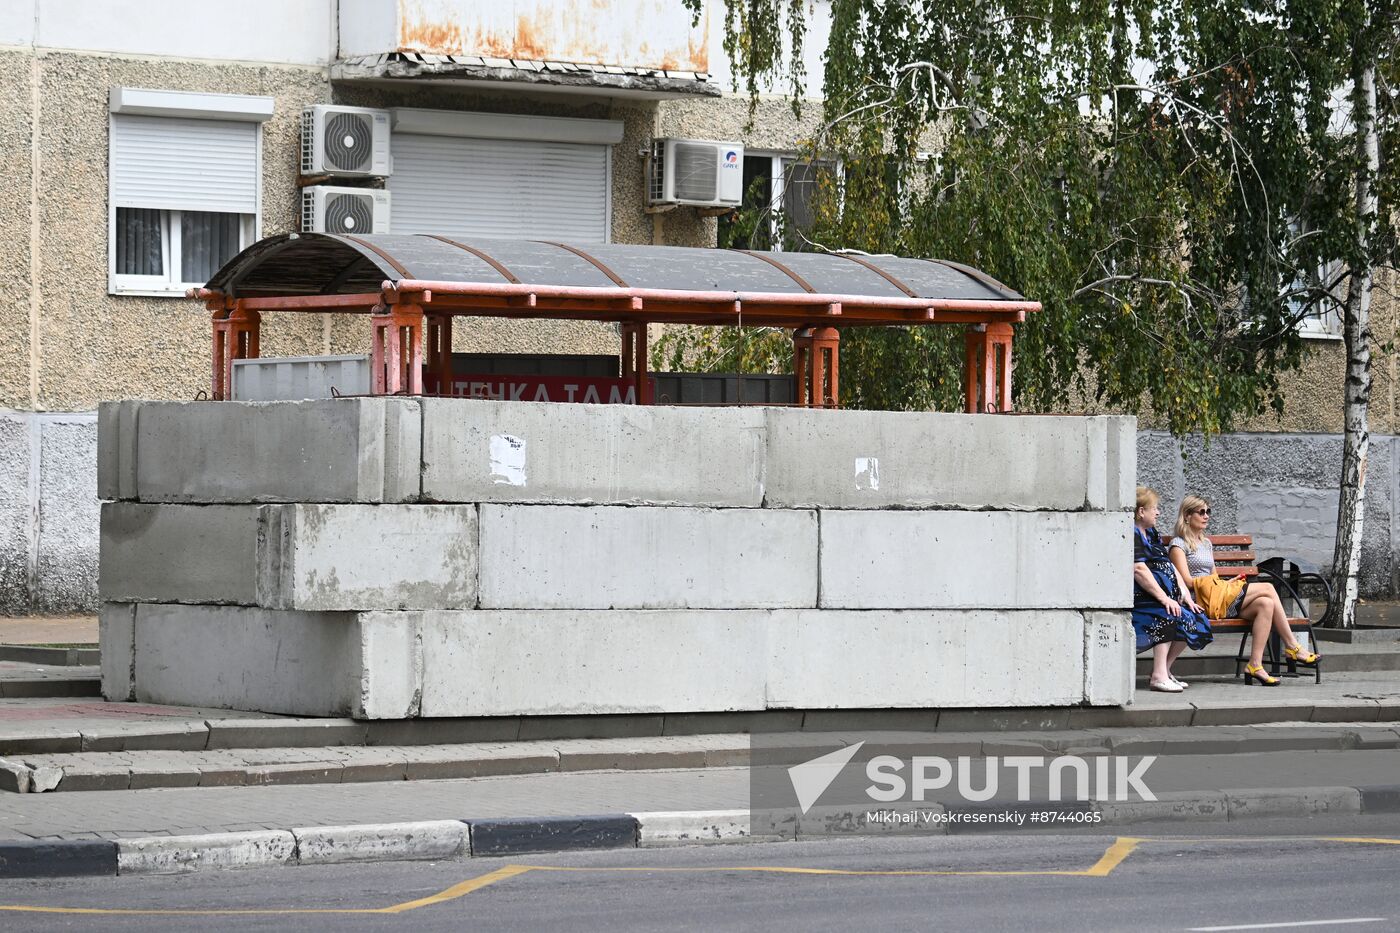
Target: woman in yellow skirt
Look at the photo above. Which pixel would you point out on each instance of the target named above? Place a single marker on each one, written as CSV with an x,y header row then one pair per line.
x,y
1258,603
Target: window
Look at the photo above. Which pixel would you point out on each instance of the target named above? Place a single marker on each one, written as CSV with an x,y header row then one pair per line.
x,y
778,194
185,180
1325,321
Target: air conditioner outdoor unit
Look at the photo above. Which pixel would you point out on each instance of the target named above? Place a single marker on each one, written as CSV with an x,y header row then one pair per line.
x,y
325,209
698,172
351,141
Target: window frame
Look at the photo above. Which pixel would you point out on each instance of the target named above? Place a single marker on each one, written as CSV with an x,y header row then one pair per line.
x,y
186,106
777,187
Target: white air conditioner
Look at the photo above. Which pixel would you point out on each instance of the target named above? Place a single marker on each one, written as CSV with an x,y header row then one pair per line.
x,y
344,210
352,141
698,172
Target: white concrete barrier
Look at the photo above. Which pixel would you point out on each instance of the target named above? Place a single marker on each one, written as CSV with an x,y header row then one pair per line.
x,y
116,637
348,557
429,840
327,450
975,560
477,450
917,659
169,854
614,557
179,553
886,459
552,663
317,557
365,665
1109,650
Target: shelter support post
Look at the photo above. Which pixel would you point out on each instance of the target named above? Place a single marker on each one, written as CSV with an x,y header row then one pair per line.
x,y
236,337
634,359
396,360
816,366
987,373
438,377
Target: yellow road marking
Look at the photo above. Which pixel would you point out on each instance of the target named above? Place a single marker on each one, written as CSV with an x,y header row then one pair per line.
x,y
1121,848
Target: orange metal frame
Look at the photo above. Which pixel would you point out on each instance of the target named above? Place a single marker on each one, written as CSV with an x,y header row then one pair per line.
x,y
411,328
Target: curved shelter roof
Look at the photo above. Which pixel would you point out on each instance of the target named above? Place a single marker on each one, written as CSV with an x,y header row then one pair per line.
x,y
607,281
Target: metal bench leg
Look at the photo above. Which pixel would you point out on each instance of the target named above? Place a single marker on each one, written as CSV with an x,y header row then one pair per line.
x,y
1240,656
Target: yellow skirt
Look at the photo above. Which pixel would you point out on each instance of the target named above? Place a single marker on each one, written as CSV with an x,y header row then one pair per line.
x,y
1215,595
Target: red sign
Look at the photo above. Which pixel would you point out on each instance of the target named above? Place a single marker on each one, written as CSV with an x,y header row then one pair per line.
x,y
597,390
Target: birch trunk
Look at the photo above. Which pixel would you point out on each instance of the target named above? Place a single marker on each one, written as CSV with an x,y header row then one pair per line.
x,y
1356,331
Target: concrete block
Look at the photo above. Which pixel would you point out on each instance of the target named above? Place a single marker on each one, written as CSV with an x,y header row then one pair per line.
x,y
96,777
695,827
1293,801
607,557
325,450
168,775
477,450
116,449
649,754
1170,806
567,663
347,557
434,840
277,661
879,459
838,820
116,634
313,557
930,659
179,553
171,854
1109,644
301,772
975,560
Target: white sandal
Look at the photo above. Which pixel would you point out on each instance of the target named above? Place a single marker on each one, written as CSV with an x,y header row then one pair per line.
x,y
1179,682
1165,686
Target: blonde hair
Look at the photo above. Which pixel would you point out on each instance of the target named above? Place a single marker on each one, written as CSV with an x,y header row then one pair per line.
x,y
1146,498
1183,531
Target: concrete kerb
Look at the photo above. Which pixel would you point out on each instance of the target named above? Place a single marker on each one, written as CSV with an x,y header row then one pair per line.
x,y
443,840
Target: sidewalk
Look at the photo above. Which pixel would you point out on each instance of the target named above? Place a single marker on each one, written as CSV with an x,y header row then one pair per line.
x,y
48,630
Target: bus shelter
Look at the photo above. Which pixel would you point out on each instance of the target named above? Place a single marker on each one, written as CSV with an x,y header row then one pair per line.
x,y
412,286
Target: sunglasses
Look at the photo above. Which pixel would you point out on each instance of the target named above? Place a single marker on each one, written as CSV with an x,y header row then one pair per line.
x,y
1205,512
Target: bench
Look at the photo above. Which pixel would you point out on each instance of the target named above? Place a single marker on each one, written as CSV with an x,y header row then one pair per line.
x,y
1234,557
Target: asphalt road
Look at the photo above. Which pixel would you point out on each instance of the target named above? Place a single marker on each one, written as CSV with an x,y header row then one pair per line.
x,y
1214,880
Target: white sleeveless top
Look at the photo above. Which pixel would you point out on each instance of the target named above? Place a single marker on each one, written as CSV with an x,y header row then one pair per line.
x,y
1201,561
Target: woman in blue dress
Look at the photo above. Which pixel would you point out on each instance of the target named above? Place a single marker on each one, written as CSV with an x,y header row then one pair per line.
x,y
1165,616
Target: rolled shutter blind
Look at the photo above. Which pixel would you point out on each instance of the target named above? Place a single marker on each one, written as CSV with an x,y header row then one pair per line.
x,y
184,165
524,189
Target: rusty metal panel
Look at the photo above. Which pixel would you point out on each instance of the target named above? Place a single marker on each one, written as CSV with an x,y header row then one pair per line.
x,y
654,34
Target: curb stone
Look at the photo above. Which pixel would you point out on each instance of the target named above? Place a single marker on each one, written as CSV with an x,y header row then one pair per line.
x,y
443,840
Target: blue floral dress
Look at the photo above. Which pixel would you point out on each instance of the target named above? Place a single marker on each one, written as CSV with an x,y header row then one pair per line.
x,y
1151,621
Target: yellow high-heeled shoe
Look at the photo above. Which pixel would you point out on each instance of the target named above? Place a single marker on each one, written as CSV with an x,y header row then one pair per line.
x,y
1253,674
1299,655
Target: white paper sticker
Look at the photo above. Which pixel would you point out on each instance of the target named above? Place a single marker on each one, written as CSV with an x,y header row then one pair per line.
x,y
867,472
507,460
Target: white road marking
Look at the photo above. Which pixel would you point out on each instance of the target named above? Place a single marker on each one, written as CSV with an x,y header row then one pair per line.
x,y
1295,923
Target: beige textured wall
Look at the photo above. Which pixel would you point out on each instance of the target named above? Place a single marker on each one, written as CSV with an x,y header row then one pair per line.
x,y
16,80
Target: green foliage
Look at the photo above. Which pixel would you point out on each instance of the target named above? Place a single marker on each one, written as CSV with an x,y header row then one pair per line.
x,y
1165,176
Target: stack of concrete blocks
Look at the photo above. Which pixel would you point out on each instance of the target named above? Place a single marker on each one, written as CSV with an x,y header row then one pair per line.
x,y
391,558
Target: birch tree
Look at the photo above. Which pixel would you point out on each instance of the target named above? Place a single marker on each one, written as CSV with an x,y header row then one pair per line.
x,y
1179,182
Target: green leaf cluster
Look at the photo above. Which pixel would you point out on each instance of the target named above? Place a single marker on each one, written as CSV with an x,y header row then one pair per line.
x,y
1172,179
